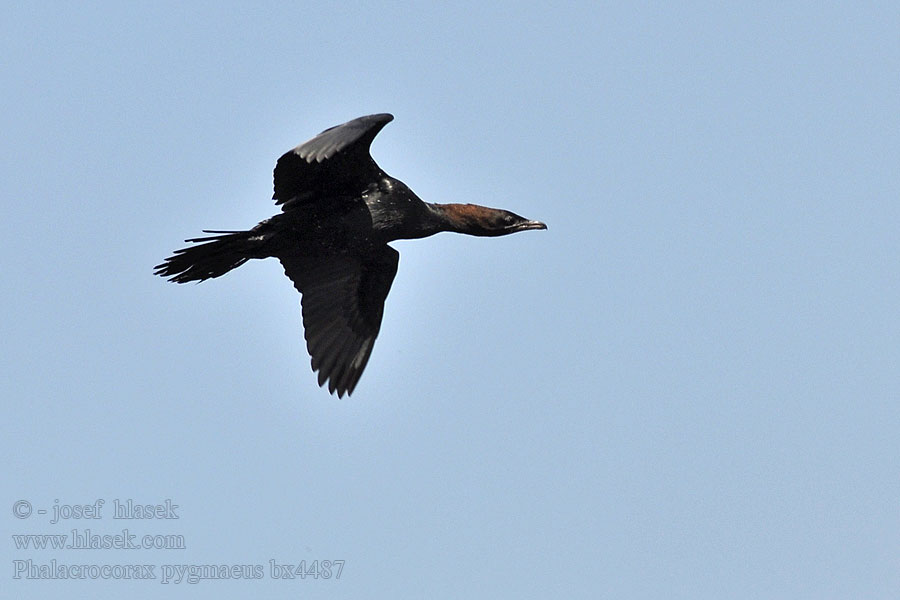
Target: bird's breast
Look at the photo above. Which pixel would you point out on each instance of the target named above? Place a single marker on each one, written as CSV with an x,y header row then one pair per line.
x,y
396,212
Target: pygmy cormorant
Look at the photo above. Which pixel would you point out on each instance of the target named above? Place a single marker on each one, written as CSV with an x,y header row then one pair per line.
x,y
339,211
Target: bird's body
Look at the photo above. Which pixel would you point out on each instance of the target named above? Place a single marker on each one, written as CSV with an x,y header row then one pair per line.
x,y
339,211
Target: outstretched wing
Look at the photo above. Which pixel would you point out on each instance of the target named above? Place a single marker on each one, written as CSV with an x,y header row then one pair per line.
x,y
334,163
343,302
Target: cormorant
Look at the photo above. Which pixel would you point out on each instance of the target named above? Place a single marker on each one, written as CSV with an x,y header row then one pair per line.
x,y
339,211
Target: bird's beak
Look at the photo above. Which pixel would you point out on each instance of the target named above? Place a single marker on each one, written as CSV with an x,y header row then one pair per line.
x,y
530,225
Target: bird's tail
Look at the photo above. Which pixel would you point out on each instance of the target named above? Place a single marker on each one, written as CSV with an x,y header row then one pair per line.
x,y
213,256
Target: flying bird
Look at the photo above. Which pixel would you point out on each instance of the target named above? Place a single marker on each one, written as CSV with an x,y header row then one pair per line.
x,y
339,210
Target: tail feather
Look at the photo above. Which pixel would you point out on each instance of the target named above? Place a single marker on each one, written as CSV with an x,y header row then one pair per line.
x,y
212,257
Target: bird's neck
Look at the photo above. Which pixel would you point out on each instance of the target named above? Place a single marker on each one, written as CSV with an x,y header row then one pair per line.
x,y
423,219
459,218
441,217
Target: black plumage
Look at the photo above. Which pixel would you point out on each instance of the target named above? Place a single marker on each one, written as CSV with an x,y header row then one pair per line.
x,y
339,211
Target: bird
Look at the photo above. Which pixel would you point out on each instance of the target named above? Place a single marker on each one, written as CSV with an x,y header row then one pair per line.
x,y
339,211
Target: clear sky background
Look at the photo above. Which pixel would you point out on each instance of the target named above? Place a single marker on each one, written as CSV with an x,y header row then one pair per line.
x,y
686,388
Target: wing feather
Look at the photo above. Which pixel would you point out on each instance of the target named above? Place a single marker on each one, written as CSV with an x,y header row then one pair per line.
x,y
343,303
335,163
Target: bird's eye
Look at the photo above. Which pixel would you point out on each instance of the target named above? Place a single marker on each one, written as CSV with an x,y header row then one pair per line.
x,y
508,219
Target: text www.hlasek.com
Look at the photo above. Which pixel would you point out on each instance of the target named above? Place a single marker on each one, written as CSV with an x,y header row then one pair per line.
x,y
87,540
192,574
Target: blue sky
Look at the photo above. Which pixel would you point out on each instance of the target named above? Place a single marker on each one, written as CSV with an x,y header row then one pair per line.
x,y
686,388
